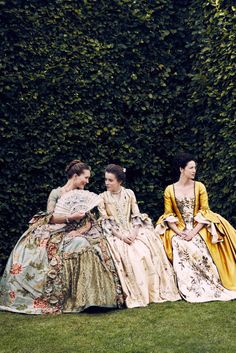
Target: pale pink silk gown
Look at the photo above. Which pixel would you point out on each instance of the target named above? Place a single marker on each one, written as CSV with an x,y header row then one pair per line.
x,y
145,273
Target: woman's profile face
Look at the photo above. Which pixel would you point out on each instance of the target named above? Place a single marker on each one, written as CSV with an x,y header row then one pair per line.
x,y
189,171
112,184
82,179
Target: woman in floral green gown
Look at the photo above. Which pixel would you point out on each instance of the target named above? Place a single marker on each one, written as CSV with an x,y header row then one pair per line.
x,y
61,263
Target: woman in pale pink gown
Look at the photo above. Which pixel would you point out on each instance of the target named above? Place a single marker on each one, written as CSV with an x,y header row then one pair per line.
x,y
145,272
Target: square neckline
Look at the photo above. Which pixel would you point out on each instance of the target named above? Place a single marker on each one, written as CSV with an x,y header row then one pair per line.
x,y
185,197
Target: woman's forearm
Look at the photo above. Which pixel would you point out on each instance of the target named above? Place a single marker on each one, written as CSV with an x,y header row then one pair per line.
x,y
197,228
60,219
116,234
174,227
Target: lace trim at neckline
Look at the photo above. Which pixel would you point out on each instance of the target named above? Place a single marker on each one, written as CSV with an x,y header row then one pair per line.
x,y
185,198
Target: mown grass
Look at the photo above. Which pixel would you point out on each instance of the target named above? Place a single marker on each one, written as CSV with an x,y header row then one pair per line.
x,y
178,327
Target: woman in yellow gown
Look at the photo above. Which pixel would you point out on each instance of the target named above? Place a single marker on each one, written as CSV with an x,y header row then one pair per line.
x,y
145,273
201,244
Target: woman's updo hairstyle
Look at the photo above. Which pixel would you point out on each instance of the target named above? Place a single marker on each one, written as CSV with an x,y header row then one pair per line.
x,y
118,171
76,167
181,160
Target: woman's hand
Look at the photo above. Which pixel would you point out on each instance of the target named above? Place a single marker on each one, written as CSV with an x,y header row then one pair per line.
x,y
130,237
127,239
190,234
182,234
33,220
61,219
81,231
77,216
122,236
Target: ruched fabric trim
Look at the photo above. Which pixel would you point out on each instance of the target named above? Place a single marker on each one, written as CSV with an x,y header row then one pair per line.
x,y
210,227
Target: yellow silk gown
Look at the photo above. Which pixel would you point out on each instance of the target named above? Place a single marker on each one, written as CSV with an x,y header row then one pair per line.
x,y
218,235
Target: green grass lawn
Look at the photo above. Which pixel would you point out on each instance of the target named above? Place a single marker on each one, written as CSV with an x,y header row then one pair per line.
x,y
178,327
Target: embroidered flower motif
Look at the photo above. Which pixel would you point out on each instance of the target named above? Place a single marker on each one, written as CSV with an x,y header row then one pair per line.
x,y
12,294
16,269
43,243
52,310
40,303
52,250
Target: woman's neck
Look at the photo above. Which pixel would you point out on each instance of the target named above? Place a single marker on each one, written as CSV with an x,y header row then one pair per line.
x,y
68,186
183,181
117,192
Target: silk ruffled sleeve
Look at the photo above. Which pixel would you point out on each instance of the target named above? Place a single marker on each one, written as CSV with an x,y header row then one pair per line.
x,y
137,218
169,214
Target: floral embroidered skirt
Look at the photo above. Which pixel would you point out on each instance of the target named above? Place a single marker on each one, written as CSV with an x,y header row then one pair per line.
x,y
51,272
144,270
197,276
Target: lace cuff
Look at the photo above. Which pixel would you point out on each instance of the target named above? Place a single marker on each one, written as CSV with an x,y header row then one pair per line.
x,y
163,226
140,220
210,227
171,219
108,224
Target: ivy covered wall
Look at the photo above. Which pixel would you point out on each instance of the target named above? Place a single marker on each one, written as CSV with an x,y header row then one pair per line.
x,y
130,82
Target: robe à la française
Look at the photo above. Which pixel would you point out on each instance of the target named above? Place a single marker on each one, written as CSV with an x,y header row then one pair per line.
x,y
218,234
144,270
49,271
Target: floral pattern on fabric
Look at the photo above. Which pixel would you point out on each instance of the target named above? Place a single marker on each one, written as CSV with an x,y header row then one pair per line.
x,y
144,270
197,276
34,281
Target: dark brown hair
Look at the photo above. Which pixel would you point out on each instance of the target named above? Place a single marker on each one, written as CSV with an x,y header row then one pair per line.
x,y
117,170
180,161
76,167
